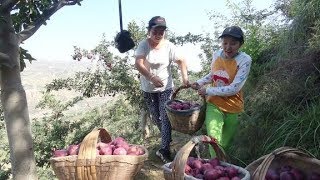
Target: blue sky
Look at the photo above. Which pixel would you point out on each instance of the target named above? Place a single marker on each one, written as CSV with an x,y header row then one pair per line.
x,y
84,25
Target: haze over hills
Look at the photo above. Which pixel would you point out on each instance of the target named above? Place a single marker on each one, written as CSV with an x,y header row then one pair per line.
x,y
41,72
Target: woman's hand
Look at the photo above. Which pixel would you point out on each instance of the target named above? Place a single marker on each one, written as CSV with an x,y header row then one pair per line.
x,y
156,81
186,83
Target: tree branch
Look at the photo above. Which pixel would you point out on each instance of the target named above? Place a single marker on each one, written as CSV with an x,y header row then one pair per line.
x,y
32,28
6,5
72,2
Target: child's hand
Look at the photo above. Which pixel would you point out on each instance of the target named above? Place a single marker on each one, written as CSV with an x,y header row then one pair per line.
x,y
195,86
202,92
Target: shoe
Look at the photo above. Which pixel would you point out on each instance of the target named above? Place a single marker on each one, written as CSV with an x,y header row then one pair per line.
x,y
164,155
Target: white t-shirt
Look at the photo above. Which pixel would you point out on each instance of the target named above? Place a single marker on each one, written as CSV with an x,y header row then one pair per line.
x,y
158,62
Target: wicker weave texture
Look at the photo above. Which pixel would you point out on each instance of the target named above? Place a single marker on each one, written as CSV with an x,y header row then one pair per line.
x,y
167,172
177,169
185,121
87,165
280,157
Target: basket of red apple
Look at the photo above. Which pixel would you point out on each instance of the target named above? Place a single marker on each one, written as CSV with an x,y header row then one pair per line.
x,y
285,163
188,167
99,157
185,116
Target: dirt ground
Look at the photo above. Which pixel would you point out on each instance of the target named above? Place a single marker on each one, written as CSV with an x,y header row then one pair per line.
x,y
150,171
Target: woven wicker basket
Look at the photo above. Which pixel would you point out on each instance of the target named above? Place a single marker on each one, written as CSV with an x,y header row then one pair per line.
x,y
87,165
180,160
185,121
283,156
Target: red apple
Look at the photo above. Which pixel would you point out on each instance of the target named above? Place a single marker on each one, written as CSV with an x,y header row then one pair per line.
x,y
119,151
106,150
60,153
73,149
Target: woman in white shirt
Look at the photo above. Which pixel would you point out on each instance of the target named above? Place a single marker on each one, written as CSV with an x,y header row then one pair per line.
x,y
154,57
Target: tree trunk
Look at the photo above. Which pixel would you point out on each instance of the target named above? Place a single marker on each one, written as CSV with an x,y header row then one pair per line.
x,y
14,102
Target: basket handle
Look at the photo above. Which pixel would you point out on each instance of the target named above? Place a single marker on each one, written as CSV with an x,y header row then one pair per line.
x,y
175,92
88,151
262,169
180,159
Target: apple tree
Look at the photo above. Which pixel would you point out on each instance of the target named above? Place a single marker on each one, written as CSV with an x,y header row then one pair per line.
x,y
19,20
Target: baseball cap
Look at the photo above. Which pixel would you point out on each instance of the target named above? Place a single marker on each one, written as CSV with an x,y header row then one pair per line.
x,y
233,31
157,21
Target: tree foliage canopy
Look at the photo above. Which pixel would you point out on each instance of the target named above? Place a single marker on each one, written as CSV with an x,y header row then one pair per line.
x,y
28,16
282,92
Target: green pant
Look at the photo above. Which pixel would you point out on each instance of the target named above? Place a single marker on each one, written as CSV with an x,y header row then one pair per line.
x,y
220,125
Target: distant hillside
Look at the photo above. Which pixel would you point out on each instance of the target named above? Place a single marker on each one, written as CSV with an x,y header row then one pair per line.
x,y
42,72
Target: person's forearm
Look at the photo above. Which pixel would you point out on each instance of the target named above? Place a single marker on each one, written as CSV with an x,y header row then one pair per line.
x,y
184,71
205,80
144,71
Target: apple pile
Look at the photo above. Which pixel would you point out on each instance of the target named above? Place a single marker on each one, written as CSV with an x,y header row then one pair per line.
x,y
183,105
119,146
210,169
290,173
